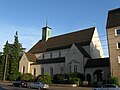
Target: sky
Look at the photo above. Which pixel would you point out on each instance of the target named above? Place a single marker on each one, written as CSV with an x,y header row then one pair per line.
x,y
63,16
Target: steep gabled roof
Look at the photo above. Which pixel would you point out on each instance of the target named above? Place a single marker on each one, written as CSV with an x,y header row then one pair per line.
x,y
81,49
31,57
113,19
98,62
83,36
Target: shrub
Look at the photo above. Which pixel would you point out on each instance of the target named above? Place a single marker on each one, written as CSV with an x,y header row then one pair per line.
x,y
68,78
27,77
77,75
45,78
113,80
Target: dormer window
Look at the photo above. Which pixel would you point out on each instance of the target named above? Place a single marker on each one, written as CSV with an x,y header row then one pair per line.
x,y
117,32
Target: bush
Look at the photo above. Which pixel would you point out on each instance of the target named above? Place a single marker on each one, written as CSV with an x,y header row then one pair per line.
x,y
58,78
44,78
113,80
78,75
68,78
27,77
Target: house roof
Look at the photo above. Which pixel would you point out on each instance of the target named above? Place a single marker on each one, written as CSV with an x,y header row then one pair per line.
x,y
83,36
98,62
51,60
113,19
31,57
78,45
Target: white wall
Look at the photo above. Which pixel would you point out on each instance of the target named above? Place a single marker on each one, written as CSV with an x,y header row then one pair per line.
x,y
55,66
76,57
55,54
24,62
95,46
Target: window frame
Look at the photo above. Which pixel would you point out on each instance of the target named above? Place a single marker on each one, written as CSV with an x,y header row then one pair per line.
x,y
118,46
116,34
119,59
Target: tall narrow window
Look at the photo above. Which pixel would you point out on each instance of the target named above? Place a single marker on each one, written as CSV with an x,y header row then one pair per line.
x,y
70,69
59,54
50,55
43,56
34,72
42,71
61,70
75,68
23,69
51,71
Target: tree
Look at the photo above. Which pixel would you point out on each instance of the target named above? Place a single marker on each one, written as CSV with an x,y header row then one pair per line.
x,y
6,53
1,67
15,57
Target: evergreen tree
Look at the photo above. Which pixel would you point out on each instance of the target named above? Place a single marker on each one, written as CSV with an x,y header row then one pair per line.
x,y
1,67
15,57
3,62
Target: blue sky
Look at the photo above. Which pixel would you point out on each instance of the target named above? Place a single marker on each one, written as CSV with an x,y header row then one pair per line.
x,y
63,16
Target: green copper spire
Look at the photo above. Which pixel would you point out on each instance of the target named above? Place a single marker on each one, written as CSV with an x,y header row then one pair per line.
x,y
46,32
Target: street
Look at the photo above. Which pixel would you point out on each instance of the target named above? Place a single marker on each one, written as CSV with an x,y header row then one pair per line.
x,y
10,87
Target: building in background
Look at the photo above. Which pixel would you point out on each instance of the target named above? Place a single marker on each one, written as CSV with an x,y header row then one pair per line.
x,y
113,34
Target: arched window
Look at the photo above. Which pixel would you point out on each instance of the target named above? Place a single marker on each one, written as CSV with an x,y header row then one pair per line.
x,y
51,71
23,69
42,71
34,72
75,68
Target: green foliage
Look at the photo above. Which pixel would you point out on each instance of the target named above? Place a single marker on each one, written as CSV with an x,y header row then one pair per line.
x,y
4,62
58,78
14,73
1,67
27,77
45,78
114,80
74,80
68,78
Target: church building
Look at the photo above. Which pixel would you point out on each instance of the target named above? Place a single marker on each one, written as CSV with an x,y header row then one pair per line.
x,y
78,51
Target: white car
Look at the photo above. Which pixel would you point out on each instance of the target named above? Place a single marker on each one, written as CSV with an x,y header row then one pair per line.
x,y
108,87
38,85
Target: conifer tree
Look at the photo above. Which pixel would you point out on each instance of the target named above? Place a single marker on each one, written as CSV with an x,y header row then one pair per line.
x,y
3,62
15,57
1,66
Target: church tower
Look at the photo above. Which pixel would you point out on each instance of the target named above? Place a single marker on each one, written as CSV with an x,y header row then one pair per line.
x,y
46,32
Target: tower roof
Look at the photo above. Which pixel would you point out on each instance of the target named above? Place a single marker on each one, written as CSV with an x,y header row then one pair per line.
x,y
113,19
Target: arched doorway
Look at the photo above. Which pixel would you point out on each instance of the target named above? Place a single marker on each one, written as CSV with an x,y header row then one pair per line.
x,y
98,77
88,78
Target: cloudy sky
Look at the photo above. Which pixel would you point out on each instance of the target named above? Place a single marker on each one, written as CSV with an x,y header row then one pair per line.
x,y
63,16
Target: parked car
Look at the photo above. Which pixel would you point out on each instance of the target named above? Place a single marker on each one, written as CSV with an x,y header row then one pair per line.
x,y
38,85
107,87
1,88
20,83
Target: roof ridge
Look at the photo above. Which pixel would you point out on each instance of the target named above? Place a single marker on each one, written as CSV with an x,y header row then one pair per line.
x,y
72,32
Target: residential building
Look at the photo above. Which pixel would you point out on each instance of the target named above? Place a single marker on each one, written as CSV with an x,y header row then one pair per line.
x,y
113,35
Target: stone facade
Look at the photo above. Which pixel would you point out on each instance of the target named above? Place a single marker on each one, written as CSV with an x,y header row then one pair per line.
x,y
113,24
